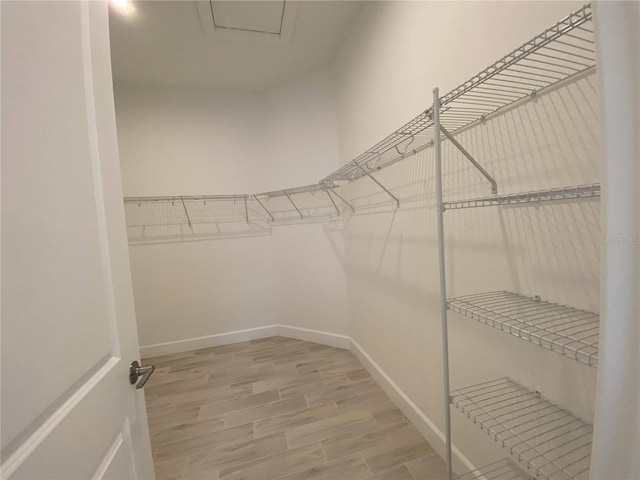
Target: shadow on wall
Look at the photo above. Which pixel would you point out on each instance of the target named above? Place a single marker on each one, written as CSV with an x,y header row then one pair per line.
x,y
551,142
550,249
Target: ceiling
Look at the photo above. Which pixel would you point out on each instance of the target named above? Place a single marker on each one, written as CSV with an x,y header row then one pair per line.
x,y
228,45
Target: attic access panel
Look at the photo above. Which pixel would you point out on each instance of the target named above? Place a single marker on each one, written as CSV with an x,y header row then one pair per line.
x,y
269,21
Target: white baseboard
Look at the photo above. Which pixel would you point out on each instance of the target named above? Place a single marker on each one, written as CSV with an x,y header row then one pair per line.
x,y
188,344
325,338
423,424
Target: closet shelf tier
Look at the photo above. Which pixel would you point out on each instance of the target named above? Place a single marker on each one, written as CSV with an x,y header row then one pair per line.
x,y
561,329
553,194
319,202
547,440
503,469
561,53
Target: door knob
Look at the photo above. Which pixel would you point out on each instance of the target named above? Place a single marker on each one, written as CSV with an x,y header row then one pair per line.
x,y
136,371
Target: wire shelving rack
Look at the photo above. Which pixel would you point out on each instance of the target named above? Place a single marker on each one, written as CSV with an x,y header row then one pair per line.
x,y
562,54
561,329
547,440
185,210
563,51
538,196
311,203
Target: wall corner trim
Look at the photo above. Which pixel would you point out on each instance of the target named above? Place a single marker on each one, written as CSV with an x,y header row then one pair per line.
x,y
188,344
317,336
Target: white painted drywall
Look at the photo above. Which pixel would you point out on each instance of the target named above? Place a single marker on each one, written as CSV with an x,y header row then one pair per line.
x,y
617,428
175,142
396,54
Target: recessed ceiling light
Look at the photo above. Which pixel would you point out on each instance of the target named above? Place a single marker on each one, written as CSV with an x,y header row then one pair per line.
x,y
124,6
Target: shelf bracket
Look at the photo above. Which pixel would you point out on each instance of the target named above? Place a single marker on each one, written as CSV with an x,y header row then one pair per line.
x,y
185,211
246,209
343,200
332,200
265,208
295,206
494,185
380,185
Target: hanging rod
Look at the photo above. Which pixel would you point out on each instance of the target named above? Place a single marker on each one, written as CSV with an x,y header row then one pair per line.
x,y
547,195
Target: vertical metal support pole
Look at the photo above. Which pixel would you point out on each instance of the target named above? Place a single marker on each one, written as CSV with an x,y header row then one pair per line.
x,y
246,209
443,284
332,201
185,211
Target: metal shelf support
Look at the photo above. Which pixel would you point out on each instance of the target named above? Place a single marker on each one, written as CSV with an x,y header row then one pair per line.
x,y
294,206
265,208
380,185
343,200
485,174
185,211
332,201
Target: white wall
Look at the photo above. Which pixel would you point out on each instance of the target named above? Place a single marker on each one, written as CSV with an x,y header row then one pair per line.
x,y
618,398
384,74
386,71
178,142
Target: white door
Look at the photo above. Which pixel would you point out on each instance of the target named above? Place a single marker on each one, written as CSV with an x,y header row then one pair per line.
x,y
68,324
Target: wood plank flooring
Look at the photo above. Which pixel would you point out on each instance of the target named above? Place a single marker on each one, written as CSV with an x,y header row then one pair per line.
x,y
279,408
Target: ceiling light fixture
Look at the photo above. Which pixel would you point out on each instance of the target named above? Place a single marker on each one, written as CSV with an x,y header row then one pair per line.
x,y
123,6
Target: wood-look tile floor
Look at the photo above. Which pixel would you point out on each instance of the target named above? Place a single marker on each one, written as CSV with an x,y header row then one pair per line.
x,y
279,408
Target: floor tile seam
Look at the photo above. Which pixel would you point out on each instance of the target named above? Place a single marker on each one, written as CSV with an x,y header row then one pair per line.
x,y
184,466
238,409
297,410
188,457
406,465
263,458
318,440
195,437
366,463
374,443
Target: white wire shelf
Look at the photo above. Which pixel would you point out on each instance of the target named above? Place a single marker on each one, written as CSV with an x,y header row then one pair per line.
x,y
561,329
538,196
560,53
186,210
547,440
503,469
311,203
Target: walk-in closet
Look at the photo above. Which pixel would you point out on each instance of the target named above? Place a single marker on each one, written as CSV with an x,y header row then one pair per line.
x,y
356,240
